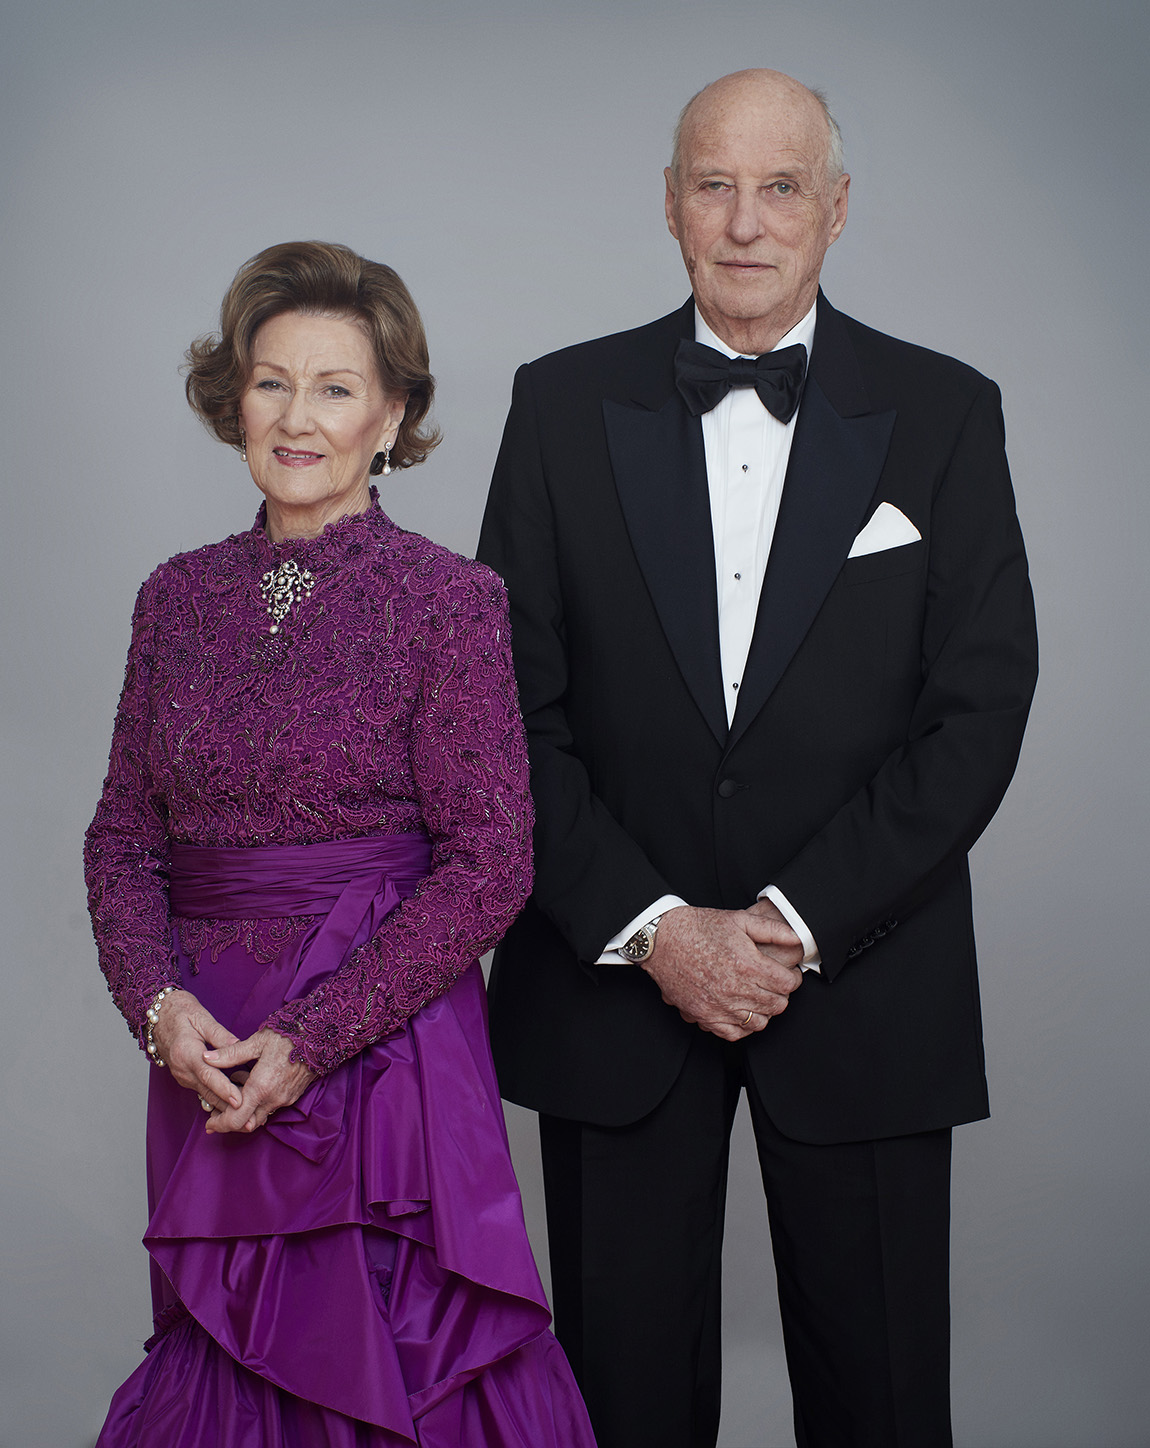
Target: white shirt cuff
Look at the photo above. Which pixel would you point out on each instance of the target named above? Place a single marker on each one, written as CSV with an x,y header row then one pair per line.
x,y
812,960
611,955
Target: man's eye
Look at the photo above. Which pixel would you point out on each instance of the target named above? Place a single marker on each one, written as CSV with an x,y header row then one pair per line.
x,y
784,188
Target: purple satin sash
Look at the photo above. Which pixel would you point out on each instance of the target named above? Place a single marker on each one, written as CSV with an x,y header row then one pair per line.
x,y
347,882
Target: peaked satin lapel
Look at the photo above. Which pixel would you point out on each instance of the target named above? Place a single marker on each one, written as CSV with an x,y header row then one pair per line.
x,y
834,469
661,477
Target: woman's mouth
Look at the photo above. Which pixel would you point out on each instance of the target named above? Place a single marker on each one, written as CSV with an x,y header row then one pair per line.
x,y
295,458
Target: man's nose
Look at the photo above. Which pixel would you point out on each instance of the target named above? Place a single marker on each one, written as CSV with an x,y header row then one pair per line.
x,y
746,219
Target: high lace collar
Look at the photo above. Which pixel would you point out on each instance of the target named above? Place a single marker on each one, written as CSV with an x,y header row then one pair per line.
x,y
334,539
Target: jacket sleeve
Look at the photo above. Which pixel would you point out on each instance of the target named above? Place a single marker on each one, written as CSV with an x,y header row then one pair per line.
x,y
470,766
914,820
591,876
126,847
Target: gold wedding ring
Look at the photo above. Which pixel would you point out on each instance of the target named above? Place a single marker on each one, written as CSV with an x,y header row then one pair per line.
x,y
747,1018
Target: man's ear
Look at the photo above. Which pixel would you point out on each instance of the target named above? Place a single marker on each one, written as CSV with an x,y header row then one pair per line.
x,y
669,202
839,203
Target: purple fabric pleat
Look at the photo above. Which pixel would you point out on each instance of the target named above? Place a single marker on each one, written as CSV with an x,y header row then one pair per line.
x,y
361,1261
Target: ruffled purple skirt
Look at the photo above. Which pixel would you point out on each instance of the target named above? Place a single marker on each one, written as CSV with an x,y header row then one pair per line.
x,y
357,1272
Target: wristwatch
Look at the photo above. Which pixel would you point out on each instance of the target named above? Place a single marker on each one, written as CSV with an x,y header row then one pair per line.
x,y
642,943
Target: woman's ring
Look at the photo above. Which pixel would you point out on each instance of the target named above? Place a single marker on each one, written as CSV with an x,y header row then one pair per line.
x,y
747,1018
207,1105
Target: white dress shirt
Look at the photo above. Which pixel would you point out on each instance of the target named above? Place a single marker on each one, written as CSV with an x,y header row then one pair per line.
x,y
747,451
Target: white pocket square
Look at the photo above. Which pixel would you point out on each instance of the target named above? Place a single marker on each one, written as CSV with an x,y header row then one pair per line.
x,y
888,528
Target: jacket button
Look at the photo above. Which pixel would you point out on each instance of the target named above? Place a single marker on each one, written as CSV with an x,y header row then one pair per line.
x,y
728,788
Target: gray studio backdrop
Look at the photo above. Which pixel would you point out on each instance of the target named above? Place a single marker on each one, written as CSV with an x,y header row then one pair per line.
x,y
506,158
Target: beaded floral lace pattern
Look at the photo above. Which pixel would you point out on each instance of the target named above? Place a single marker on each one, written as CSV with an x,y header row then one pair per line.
x,y
265,939
384,703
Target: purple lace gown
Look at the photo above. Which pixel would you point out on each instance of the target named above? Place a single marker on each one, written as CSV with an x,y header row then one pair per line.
x,y
357,1272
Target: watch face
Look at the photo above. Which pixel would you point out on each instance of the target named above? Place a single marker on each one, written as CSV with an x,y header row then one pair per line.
x,y
639,946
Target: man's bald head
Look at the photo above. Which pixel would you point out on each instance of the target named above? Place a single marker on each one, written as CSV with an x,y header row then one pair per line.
x,y
741,84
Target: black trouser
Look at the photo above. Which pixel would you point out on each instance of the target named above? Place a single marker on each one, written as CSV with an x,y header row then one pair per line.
x,y
860,1234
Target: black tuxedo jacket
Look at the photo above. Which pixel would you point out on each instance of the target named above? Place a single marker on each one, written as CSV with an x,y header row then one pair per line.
x,y
878,724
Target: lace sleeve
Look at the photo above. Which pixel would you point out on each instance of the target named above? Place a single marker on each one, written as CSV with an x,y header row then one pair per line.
x,y
126,847
469,762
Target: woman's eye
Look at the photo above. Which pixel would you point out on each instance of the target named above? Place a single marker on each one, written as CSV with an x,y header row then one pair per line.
x,y
784,188
269,384
335,390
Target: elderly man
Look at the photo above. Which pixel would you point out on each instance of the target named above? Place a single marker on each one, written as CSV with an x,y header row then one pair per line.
x,y
775,645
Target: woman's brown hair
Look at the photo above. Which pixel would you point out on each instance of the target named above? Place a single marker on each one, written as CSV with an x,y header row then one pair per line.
x,y
326,279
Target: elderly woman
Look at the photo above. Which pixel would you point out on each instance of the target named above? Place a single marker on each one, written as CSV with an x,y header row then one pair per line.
x,y
316,818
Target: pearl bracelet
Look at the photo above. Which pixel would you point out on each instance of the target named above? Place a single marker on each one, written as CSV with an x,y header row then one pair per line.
x,y
153,1016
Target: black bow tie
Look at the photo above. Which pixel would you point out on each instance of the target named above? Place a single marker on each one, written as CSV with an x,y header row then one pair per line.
x,y
704,377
